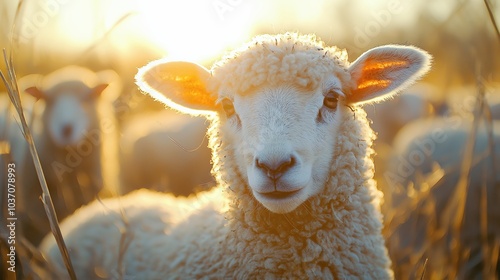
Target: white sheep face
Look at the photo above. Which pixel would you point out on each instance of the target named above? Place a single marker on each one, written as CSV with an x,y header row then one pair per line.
x,y
67,121
284,139
69,111
283,136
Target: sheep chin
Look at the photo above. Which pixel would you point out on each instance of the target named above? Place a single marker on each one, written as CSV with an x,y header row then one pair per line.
x,y
282,203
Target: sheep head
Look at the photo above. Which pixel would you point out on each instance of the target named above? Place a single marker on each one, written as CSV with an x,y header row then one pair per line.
x,y
280,99
70,96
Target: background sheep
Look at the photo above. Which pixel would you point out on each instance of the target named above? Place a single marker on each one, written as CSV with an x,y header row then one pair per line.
x,y
167,152
462,100
10,134
419,101
74,133
12,149
424,174
292,155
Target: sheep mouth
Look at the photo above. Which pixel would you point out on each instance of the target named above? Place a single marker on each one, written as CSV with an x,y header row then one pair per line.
x,y
279,195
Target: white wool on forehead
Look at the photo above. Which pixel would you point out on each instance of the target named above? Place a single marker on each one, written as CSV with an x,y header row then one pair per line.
x,y
273,59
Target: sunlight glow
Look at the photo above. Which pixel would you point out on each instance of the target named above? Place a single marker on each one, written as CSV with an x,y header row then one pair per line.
x,y
195,30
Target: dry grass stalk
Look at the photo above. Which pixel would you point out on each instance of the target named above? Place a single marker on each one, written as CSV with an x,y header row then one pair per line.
x,y
489,251
10,82
422,277
105,35
455,210
492,17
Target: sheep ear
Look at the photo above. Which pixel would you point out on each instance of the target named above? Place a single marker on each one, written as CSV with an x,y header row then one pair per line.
x,y
32,85
384,71
179,85
113,82
35,92
97,90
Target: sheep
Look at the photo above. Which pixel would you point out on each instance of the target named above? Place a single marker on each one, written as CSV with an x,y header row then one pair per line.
x,y
292,159
12,146
165,151
419,101
461,100
74,134
9,129
424,173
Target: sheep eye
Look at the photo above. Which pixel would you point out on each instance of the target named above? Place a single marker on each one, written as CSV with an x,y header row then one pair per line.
x,y
331,101
228,107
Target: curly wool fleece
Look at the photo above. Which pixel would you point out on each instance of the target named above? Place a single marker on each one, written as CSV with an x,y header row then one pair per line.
x,y
335,234
291,58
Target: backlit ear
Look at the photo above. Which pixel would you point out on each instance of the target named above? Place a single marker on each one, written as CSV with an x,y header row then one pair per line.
x,y
384,71
180,85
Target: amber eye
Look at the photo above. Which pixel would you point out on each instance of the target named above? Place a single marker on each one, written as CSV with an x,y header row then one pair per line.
x,y
228,107
331,101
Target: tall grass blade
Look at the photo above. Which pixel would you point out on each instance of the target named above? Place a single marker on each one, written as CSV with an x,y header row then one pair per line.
x,y
12,89
105,35
492,17
423,271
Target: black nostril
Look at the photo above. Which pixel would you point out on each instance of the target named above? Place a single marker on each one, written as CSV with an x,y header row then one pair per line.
x,y
67,130
275,169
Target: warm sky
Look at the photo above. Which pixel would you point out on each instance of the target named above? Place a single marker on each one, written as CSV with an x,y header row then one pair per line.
x,y
201,30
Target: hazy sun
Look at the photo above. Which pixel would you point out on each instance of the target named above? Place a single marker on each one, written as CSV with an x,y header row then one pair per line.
x,y
195,30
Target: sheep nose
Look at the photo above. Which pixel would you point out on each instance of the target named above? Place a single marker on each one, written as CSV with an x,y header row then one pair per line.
x,y
274,169
67,131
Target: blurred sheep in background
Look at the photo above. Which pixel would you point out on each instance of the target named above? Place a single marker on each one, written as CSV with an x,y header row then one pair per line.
x,y
419,101
74,132
166,151
14,146
424,191
461,100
